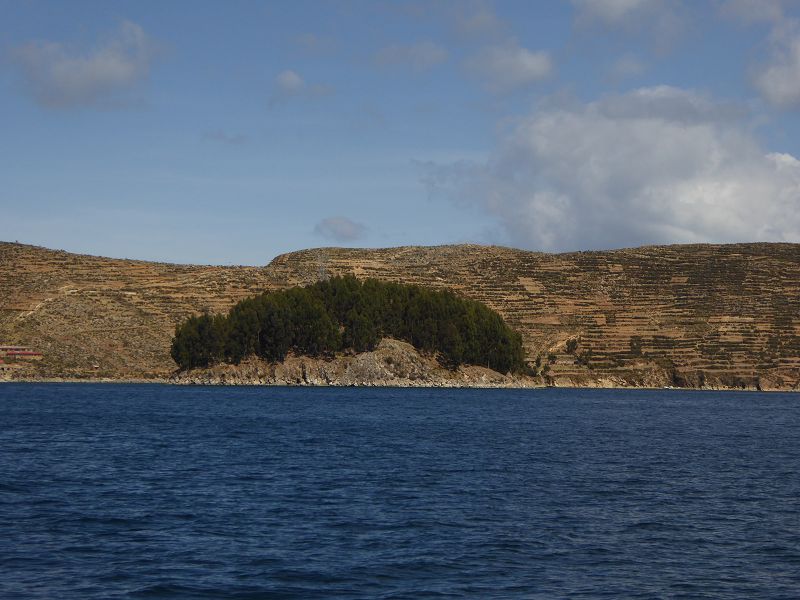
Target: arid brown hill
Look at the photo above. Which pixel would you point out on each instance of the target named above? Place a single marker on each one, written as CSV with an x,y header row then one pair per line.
x,y
690,315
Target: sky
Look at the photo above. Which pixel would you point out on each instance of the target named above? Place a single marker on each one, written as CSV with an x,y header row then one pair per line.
x,y
231,132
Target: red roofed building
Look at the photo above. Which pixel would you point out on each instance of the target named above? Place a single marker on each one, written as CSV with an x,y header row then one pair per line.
x,y
24,354
19,352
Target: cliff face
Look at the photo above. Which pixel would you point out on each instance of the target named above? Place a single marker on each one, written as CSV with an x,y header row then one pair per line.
x,y
691,315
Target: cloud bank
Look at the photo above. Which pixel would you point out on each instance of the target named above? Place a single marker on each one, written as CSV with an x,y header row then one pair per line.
x,y
59,77
657,165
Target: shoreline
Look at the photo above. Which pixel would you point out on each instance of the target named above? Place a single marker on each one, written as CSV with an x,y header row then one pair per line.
x,y
398,385
395,364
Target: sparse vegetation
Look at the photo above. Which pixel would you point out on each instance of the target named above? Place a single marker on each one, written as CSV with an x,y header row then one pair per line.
x,y
584,359
636,345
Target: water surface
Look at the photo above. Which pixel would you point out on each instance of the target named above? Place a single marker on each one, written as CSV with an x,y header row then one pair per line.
x,y
138,491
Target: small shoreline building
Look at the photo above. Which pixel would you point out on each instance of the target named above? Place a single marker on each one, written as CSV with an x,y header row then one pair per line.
x,y
20,353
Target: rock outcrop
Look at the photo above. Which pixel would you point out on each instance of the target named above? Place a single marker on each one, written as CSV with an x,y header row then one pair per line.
x,y
392,363
683,316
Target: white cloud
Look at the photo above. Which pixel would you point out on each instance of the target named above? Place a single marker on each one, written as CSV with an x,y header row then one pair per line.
x,y
420,56
669,104
508,67
59,77
288,84
340,229
778,78
658,165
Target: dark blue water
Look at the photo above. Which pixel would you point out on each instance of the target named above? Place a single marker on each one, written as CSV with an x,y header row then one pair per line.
x,y
117,491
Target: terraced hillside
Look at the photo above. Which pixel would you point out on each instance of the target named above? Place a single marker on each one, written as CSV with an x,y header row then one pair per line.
x,y
691,315
101,317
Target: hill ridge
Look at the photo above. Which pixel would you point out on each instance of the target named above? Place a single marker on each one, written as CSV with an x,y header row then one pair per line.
x,y
698,315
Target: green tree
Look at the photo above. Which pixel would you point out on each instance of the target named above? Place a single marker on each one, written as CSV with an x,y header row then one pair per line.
x,y
344,312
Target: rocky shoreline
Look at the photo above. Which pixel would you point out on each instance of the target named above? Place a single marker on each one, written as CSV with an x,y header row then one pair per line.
x,y
398,364
392,364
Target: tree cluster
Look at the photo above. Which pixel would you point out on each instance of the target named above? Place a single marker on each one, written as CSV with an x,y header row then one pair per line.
x,y
345,313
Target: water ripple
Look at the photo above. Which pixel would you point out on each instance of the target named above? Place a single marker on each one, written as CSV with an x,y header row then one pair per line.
x,y
165,492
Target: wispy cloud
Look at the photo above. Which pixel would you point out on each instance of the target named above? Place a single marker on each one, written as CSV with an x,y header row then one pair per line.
x,y
752,11
661,22
657,165
60,77
420,56
509,66
289,84
777,75
340,229
778,78
625,67
613,12
476,19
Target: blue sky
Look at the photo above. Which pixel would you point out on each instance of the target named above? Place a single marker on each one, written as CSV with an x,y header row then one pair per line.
x,y
228,133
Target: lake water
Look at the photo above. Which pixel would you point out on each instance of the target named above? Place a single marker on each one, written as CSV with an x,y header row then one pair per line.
x,y
139,491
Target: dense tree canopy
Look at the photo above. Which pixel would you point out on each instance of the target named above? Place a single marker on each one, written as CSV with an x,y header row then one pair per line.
x,y
344,313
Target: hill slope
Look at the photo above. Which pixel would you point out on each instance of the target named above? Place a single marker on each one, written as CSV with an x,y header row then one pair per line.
x,y
695,315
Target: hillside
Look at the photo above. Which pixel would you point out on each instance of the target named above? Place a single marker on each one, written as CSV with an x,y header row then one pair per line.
x,y
689,315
